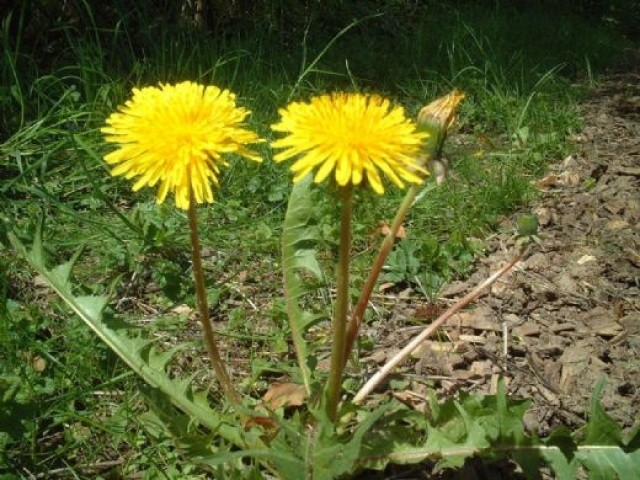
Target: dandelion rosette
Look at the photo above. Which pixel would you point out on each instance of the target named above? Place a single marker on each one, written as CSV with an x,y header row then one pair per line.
x,y
355,135
176,135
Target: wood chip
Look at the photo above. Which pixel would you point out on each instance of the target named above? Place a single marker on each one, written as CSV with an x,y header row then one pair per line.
x,y
563,327
477,319
480,369
439,347
548,395
548,181
454,289
631,171
493,386
604,327
526,330
474,339
585,259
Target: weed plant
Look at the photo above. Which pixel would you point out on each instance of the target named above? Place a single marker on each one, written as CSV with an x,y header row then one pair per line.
x,y
68,407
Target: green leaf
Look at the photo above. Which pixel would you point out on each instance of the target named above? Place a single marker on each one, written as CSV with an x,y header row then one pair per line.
x,y
601,429
132,349
608,462
453,454
510,413
633,438
563,468
335,457
289,467
528,225
92,306
299,255
396,432
602,452
458,429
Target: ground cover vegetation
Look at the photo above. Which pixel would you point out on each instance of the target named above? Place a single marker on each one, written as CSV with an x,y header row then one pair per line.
x,y
72,407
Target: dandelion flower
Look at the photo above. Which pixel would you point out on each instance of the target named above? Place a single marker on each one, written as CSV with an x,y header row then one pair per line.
x,y
441,113
437,118
176,136
354,135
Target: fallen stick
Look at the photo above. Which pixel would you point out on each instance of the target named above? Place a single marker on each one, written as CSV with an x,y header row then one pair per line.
x,y
403,354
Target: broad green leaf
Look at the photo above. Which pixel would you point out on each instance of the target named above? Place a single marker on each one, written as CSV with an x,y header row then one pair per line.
x,y
608,462
458,429
411,455
288,467
563,468
601,429
602,452
335,456
178,424
529,452
92,306
133,350
510,413
529,460
453,455
294,446
298,255
62,273
632,440
399,430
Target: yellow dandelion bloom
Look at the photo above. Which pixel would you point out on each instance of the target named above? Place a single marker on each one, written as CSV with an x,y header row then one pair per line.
x,y
354,135
176,136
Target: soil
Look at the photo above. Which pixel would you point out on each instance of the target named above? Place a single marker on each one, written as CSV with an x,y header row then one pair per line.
x,y
569,312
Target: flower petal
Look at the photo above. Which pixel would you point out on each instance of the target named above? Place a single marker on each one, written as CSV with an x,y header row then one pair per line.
x,y
350,136
176,135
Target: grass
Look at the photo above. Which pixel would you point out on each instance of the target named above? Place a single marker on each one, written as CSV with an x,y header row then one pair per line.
x,y
67,407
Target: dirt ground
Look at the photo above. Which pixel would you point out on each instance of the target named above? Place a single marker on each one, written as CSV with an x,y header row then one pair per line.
x,y
569,313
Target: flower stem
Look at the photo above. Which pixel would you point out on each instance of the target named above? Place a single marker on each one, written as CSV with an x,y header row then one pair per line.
x,y
374,273
334,383
203,309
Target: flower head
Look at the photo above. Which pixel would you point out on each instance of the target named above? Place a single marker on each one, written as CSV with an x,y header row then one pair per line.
x,y
437,118
176,135
356,136
441,113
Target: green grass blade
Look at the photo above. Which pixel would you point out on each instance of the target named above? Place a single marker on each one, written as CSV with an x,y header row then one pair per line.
x,y
306,70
